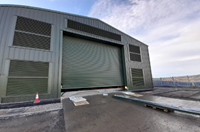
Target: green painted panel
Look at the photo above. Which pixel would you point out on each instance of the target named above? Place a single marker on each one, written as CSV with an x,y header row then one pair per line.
x,y
28,68
137,77
138,81
137,72
88,64
24,86
27,77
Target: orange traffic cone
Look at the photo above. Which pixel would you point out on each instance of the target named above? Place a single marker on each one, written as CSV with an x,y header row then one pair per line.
x,y
37,98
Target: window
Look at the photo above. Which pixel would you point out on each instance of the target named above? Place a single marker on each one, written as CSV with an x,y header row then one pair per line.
x,y
134,53
137,77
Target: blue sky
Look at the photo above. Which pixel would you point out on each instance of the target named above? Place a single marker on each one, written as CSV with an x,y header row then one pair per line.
x,y
81,7
171,28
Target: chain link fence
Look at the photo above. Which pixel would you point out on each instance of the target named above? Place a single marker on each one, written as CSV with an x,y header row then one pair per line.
x,y
182,81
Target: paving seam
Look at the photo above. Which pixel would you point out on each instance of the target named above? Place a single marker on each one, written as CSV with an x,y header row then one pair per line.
x,y
27,114
165,92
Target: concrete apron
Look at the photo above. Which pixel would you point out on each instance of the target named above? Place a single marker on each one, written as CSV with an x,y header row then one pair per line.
x,y
89,92
105,113
172,101
12,110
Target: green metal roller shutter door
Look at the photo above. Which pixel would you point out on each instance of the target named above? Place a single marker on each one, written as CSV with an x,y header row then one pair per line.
x,y
87,64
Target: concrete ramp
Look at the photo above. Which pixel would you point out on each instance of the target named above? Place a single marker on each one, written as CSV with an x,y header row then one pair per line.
x,y
164,106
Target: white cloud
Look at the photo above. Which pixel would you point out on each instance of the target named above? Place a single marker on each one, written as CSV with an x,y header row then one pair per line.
x,y
170,28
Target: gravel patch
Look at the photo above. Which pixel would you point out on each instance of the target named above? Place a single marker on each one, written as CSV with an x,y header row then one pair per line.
x,y
3,111
17,110
44,122
44,107
29,110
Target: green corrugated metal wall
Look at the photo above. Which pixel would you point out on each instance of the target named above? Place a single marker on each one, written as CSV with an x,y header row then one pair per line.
x,y
27,77
137,77
90,64
20,43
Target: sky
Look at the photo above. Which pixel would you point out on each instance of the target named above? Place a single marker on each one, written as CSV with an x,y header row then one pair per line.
x,y
171,28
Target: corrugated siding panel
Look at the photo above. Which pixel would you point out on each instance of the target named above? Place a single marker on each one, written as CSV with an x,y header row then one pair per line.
x,y
24,86
26,77
138,82
2,24
1,58
137,77
28,68
6,36
137,73
90,64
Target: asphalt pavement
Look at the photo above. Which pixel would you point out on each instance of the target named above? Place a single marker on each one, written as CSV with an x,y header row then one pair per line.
x,y
102,114
44,122
108,114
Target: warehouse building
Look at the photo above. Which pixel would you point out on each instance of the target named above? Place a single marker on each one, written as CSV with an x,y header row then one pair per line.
x,y
41,49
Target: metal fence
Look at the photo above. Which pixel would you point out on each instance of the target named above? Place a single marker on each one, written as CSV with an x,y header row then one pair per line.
x,y
182,81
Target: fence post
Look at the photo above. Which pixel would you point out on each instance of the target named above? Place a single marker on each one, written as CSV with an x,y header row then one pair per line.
x,y
188,80
161,81
173,81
